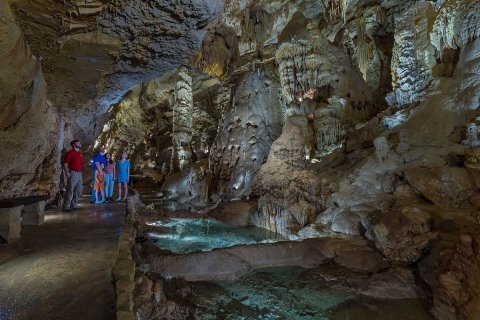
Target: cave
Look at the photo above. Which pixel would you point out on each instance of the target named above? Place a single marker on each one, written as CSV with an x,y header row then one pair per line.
x,y
271,159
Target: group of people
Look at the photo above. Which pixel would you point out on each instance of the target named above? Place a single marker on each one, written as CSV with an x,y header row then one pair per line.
x,y
105,172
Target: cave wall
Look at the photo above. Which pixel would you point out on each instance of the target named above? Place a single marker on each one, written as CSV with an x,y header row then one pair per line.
x,y
249,125
339,119
25,116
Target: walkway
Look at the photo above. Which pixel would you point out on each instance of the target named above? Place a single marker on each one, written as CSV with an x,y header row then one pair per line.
x,y
62,269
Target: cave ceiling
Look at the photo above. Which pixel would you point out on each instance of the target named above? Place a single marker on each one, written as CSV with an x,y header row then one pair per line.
x,y
94,51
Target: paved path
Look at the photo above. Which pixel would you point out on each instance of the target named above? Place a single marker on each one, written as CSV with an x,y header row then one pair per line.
x,y
62,269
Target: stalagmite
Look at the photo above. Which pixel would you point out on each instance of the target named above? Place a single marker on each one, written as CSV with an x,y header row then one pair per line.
x,y
382,149
412,56
471,139
404,144
182,120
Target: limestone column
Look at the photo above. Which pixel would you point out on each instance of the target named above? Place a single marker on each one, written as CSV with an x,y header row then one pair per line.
x,y
182,120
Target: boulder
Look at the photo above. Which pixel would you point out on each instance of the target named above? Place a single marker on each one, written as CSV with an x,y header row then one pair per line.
x,y
347,223
403,234
444,186
472,158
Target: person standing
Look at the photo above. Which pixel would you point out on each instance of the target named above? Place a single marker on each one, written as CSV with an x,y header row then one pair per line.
x,y
99,184
110,173
98,159
123,175
72,164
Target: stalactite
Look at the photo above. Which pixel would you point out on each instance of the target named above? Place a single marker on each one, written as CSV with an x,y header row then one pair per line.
x,y
364,47
334,9
379,14
256,25
217,53
302,68
327,128
457,23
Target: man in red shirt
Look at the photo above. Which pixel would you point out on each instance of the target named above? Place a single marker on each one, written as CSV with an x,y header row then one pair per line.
x,y
72,164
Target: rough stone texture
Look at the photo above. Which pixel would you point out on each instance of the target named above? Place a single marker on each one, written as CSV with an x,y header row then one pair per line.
x,y
144,109
403,235
413,55
395,283
452,270
231,263
182,121
18,94
248,127
288,194
237,213
472,158
446,187
25,116
347,223
341,167
192,184
176,27
142,124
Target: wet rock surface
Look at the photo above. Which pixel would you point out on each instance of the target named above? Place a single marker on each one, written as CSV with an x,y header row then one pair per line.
x,y
352,123
281,292
62,269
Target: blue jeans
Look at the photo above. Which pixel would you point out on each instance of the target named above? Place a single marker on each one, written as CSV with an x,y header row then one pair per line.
x,y
109,183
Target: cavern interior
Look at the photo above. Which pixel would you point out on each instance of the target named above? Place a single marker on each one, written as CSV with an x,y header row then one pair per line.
x,y
284,159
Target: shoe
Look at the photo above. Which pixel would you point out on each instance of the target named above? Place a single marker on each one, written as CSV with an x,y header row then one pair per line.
x,y
74,208
67,209
99,201
119,199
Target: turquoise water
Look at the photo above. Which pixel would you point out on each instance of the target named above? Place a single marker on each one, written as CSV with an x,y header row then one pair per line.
x,y
288,293
182,235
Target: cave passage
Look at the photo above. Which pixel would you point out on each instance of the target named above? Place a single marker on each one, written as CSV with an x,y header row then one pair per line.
x,y
304,160
62,269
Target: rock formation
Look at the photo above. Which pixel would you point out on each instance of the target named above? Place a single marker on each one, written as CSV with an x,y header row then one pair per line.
x,y
334,119
182,121
245,134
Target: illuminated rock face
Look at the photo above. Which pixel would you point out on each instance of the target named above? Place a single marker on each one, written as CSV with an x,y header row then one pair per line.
x,y
339,118
290,197
17,95
245,133
182,121
303,68
327,125
413,55
31,134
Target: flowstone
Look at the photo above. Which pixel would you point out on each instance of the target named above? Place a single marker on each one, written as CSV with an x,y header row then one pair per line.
x,y
471,139
382,149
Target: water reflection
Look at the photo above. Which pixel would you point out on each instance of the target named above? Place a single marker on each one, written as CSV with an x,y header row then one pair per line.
x,y
292,293
193,235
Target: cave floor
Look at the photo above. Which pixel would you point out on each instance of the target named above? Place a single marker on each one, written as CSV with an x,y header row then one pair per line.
x,y
62,268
